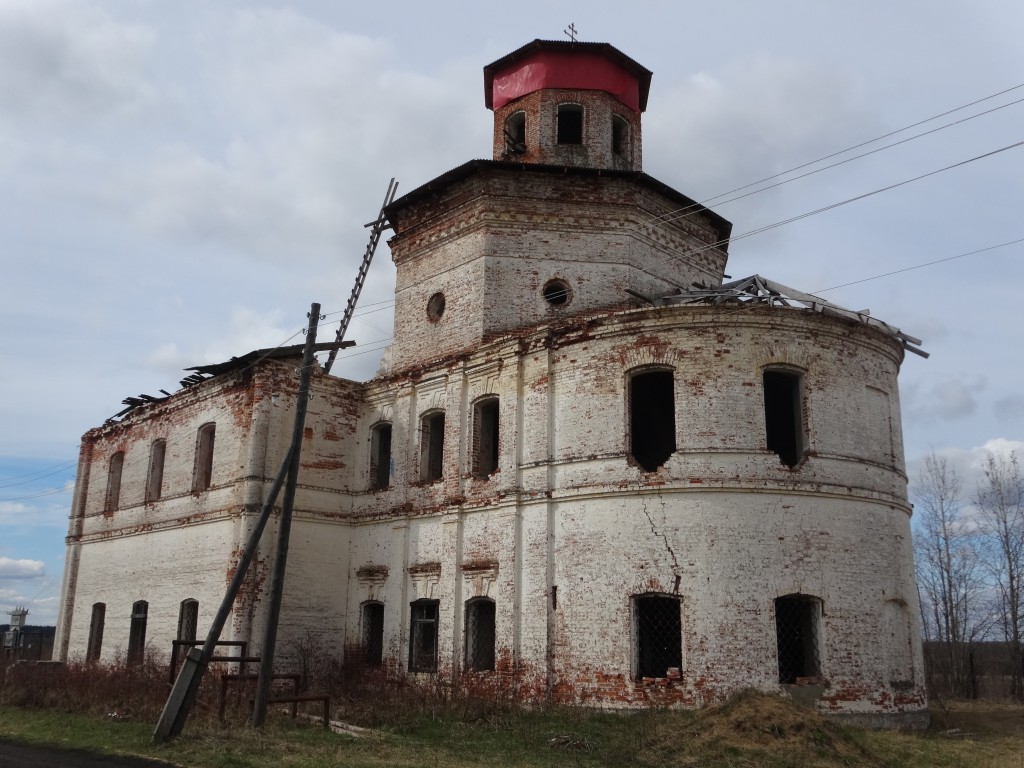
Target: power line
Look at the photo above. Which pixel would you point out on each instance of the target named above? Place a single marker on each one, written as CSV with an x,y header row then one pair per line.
x,y
38,474
857,146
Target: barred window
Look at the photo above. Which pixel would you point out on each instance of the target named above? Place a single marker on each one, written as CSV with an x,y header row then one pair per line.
x,y
479,634
137,633
658,633
373,633
797,627
380,457
188,619
432,446
95,646
423,636
652,418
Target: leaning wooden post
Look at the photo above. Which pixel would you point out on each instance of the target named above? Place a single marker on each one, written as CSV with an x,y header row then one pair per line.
x,y
259,710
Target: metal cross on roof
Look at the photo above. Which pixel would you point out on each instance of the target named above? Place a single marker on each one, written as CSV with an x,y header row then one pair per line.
x,y
571,32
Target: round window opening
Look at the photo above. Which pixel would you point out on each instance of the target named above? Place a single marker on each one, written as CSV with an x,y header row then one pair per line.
x,y
556,293
435,307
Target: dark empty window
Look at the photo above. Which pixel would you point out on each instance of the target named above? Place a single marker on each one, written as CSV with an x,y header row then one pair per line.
x,y
515,134
796,628
423,636
202,474
95,646
431,446
485,437
479,635
373,633
556,292
114,481
155,476
380,457
137,633
659,635
783,427
570,124
652,418
620,134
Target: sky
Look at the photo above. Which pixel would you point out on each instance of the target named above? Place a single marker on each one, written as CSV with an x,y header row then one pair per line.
x,y
180,181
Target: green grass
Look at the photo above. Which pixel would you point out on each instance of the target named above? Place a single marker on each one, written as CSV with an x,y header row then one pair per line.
x,y
758,732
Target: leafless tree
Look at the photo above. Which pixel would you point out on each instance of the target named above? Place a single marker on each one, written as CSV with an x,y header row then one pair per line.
x,y
950,577
1000,502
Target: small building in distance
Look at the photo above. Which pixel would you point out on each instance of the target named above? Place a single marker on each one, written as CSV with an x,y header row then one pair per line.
x,y
588,471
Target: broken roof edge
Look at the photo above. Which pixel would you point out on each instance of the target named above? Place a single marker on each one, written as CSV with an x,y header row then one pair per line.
x,y
761,290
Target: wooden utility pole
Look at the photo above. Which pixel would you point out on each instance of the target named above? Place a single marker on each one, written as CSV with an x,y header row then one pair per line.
x,y
259,710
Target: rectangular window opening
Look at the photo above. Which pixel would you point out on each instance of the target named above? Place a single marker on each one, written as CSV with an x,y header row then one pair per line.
x,y
480,614
659,635
620,130
652,418
423,636
373,634
797,630
485,438
155,476
380,457
783,427
570,124
137,633
431,447
95,645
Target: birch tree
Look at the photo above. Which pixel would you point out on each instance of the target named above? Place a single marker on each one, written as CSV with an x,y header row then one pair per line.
x,y
949,576
1000,503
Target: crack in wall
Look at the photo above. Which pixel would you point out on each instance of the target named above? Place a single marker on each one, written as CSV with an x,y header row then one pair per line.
x,y
661,535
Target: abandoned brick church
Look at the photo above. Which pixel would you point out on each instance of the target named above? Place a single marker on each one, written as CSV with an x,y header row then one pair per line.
x,y
587,471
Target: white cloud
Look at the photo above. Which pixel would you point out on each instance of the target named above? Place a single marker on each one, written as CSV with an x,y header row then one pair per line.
x,y
21,569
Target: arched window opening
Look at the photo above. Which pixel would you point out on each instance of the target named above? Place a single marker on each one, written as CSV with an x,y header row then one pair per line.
x,y
480,635
658,635
620,135
485,437
423,636
114,482
373,633
652,418
798,631
782,415
380,457
95,645
137,633
432,446
515,134
202,473
155,475
188,619
570,124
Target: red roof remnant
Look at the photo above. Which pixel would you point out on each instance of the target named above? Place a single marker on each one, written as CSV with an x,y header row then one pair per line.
x,y
557,64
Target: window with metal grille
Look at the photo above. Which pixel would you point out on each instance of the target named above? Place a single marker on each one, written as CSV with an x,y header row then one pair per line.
x,y
797,625
570,124
652,418
95,645
137,633
188,619
373,633
658,634
202,474
114,482
380,457
155,475
423,636
783,427
431,446
479,634
485,437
